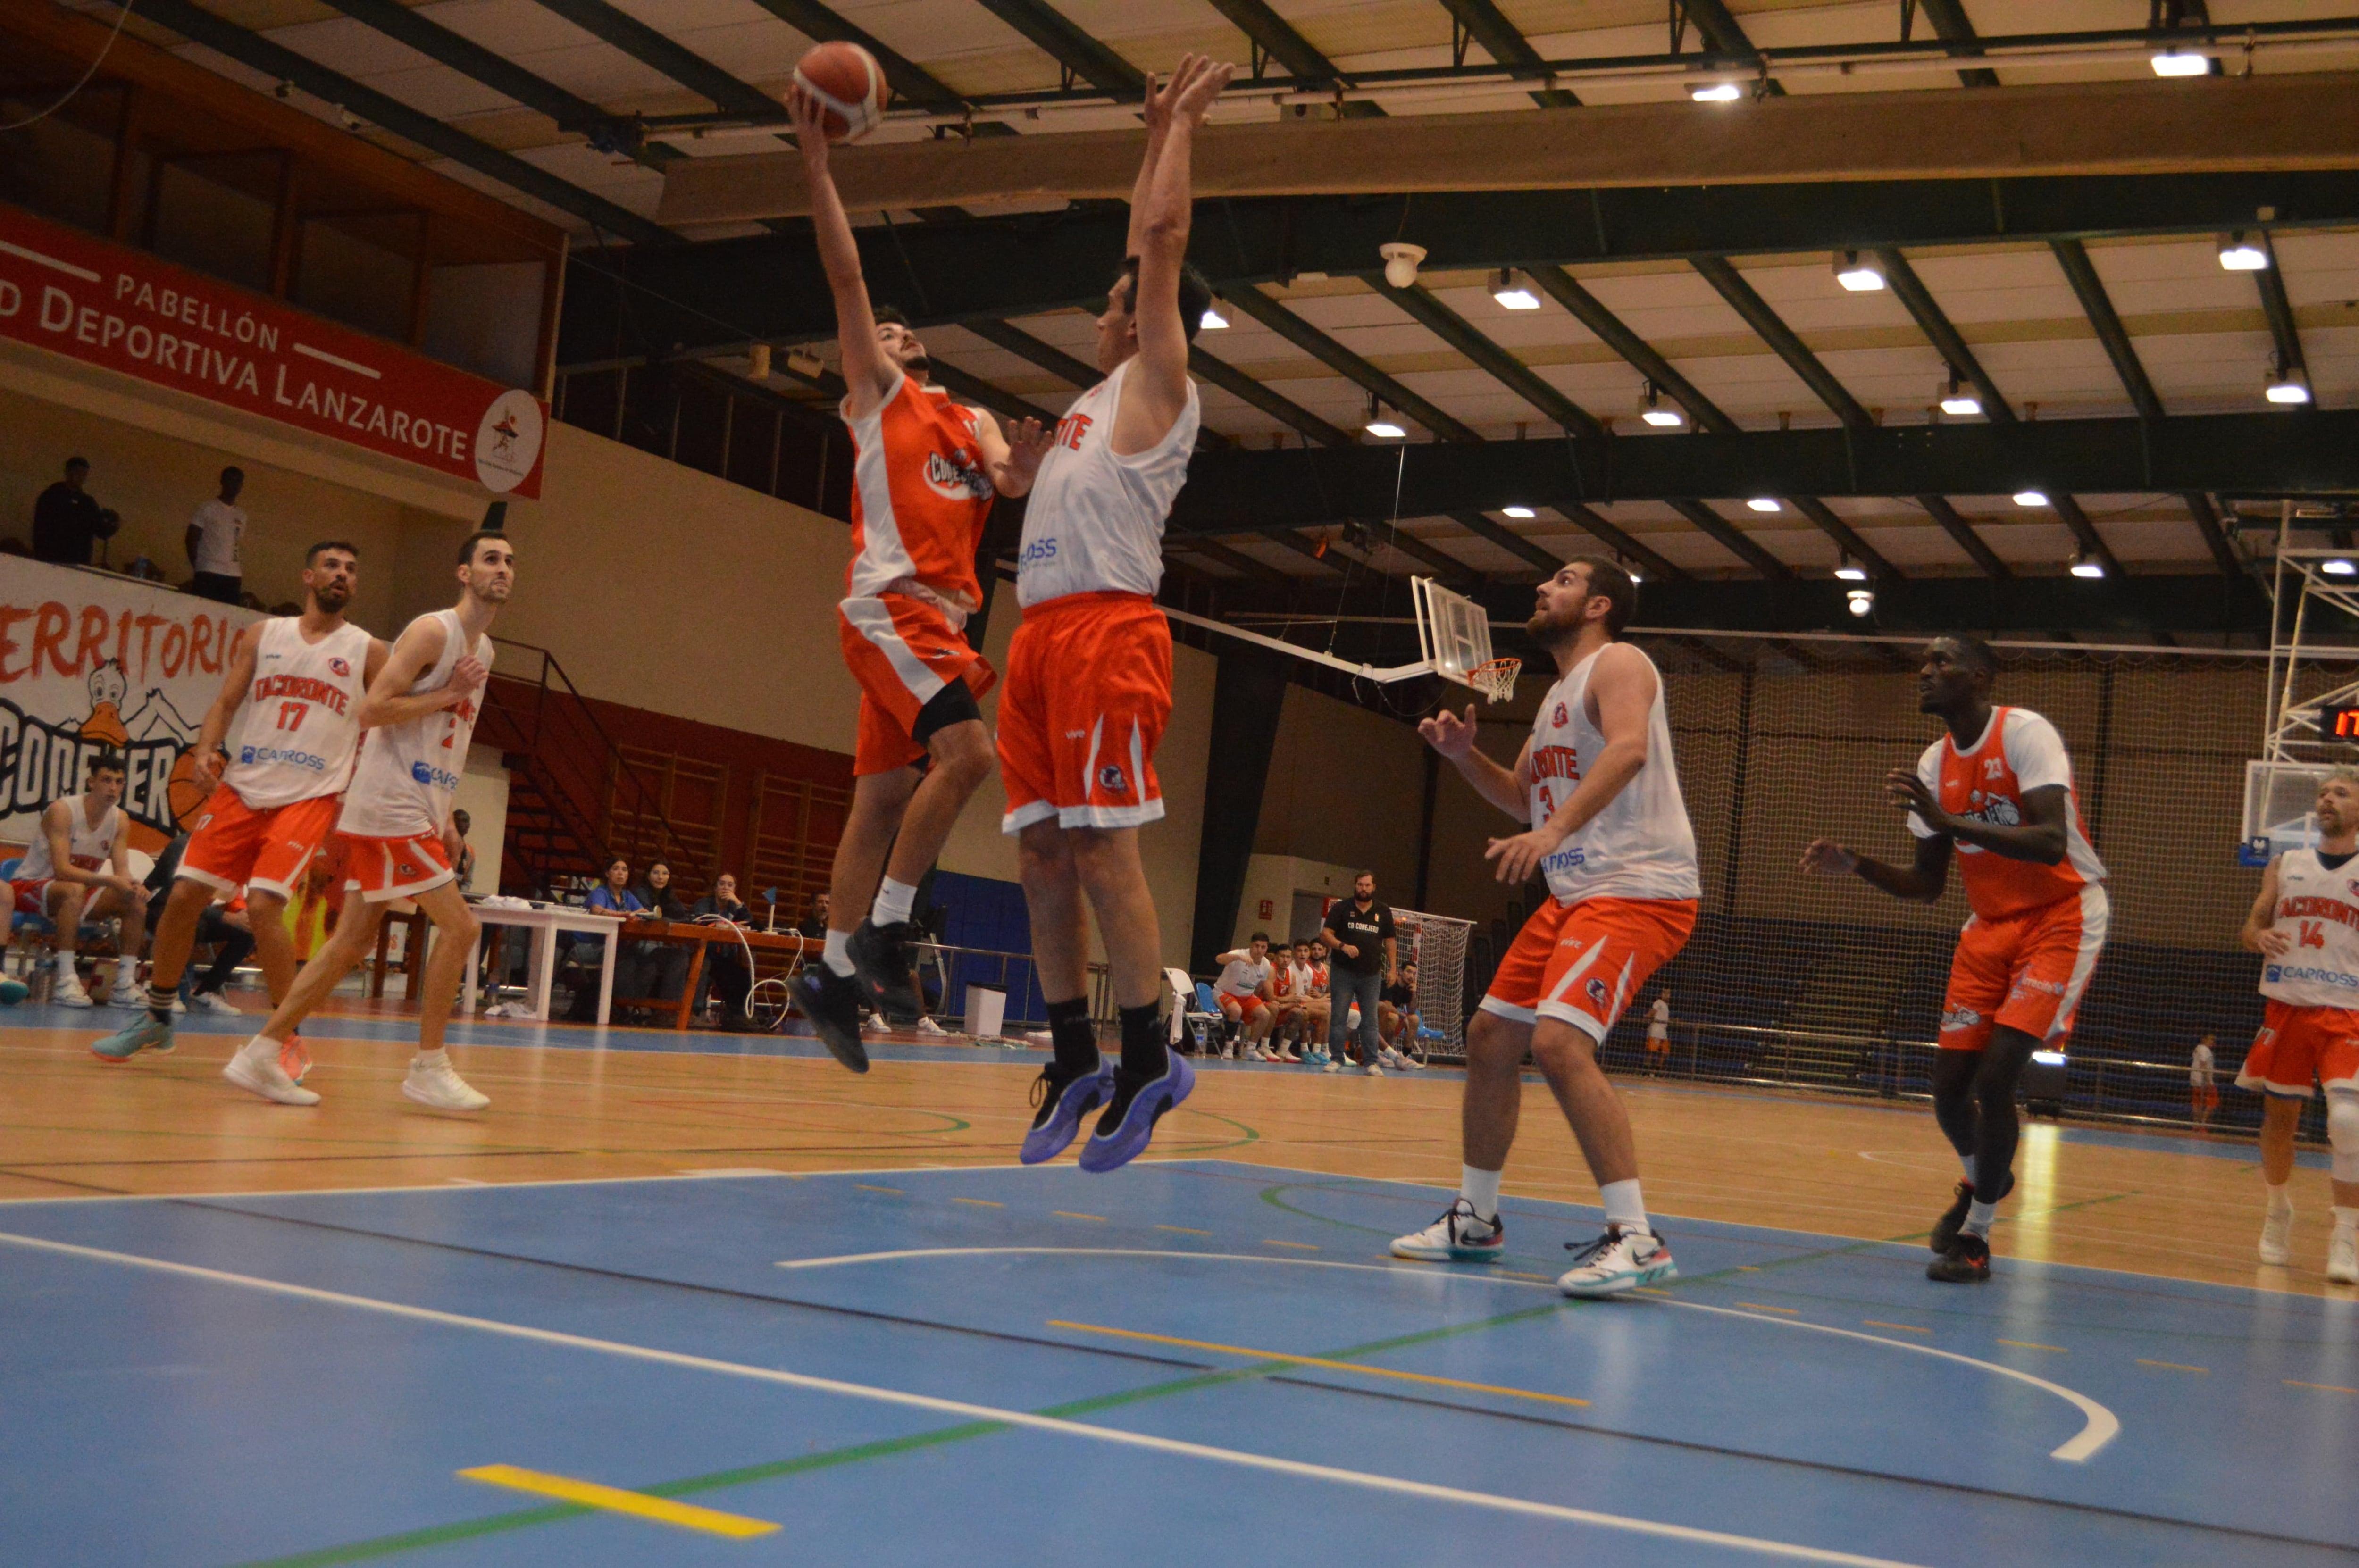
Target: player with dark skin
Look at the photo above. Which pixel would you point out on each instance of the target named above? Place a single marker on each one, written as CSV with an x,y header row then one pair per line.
x,y
1974,1091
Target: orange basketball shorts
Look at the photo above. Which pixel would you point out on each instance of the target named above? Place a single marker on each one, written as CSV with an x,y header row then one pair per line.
x,y
1581,963
2298,1043
383,870
2025,972
1089,691
902,651
234,845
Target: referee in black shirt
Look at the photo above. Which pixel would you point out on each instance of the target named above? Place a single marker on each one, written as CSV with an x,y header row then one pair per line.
x,y
1360,931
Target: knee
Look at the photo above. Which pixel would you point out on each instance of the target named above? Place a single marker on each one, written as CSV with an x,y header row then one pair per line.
x,y
1043,855
963,753
468,928
1560,1048
262,909
2343,1132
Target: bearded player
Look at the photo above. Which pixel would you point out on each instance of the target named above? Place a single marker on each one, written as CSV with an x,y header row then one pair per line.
x,y
1088,676
293,687
1610,832
1997,791
397,835
924,473
2306,925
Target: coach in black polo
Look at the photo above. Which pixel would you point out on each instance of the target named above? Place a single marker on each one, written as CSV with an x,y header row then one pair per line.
x,y
1360,932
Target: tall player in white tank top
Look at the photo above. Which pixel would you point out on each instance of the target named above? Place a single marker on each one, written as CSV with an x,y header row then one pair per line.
x,y
288,715
2305,926
1610,832
420,714
1089,673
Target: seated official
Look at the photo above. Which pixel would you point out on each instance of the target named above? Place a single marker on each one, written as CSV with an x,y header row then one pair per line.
x,y
725,972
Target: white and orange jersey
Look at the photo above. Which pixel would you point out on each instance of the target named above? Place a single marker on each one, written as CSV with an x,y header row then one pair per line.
x,y
919,499
409,772
1641,845
2318,904
1094,524
89,848
298,729
2018,751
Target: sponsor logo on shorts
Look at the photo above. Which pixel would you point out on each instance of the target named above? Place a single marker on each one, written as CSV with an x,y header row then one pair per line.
x,y
434,777
406,870
340,667
1110,778
1960,1018
263,756
2051,988
1596,989
1077,734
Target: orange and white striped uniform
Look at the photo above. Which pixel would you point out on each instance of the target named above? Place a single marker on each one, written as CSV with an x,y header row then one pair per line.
x,y
2025,954
920,496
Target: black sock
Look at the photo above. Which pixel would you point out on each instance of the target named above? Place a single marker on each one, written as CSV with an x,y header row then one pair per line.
x,y
1073,1037
160,1002
1144,1054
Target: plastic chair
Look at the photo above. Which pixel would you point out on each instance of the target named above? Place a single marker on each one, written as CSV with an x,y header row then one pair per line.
x,y
24,930
1196,1011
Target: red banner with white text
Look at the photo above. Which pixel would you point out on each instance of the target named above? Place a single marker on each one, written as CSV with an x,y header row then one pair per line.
x,y
109,305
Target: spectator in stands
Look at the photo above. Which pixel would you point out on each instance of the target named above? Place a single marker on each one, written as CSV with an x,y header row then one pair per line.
x,y
67,521
2204,1095
1658,1035
1243,991
1360,930
465,864
663,966
215,543
725,973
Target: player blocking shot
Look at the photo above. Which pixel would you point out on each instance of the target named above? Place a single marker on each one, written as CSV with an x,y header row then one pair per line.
x,y
288,710
2305,924
1609,833
924,472
1089,676
1995,791
399,840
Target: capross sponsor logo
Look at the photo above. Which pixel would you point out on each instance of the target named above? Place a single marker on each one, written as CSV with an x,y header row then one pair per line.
x,y
2284,974
1038,552
264,756
434,777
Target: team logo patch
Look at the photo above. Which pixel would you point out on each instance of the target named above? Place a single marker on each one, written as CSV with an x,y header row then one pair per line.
x,y
1596,989
407,869
1110,778
1563,717
1960,1018
340,667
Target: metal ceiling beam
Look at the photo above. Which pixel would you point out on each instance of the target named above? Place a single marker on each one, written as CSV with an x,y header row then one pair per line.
x,y
1418,304
1724,35
1456,571
2215,539
907,80
2235,454
1954,524
1333,560
1345,363
1734,540
1950,23
251,49
2270,281
1237,561
1506,539
1951,345
1047,356
1276,37
1488,26
652,48
1771,329
2090,289
1659,568
1071,49
721,292
1238,385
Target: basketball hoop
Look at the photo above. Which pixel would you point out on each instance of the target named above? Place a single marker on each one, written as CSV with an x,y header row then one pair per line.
x,y
1496,679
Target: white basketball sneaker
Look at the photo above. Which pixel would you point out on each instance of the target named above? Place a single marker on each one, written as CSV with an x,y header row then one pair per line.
x,y
1460,1235
1616,1261
68,991
213,1002
2276,1239
2343,1256
255,1069
440,1087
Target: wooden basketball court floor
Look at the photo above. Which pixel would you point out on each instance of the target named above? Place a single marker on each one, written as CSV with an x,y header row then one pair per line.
x,y
690,1299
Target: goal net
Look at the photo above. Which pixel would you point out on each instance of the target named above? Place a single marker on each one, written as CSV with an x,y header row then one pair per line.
x,y
1832,984
1436,944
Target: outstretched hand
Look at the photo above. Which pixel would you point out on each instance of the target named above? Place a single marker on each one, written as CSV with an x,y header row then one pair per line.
x,y
1186,95
809,117
1028,445
1904,789
1825,858
1447,733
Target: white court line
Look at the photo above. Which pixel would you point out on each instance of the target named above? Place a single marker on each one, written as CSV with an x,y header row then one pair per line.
x,y
2101,1427
37,259
1116,1435
461,1154
339,361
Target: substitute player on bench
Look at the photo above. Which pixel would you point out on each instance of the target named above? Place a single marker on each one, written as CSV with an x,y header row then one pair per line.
x,y
2306,924
1998,788
924,473
294,685
1610,832
1089,675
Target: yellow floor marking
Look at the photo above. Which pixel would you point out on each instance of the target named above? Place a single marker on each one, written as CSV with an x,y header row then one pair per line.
x,y
2330,1388
2026,1345
1642,1290
589,1494
2172,1366
1184,1229
1904,1328
1756,1306
1318,1361
980,1203
1746,1269
1068,1213
864,1187
1300,1245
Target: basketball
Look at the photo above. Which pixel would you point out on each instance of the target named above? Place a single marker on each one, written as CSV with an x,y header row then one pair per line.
x,y
848,84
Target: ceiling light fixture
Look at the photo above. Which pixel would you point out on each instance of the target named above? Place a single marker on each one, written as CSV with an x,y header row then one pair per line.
x,y
1212,321
1716,93
1521,514
1849,572
1401,260
2238,253
2031,498
1958,400
1511,294
1763,504
1651,409
1384,429
2083,566
2339,566
1631,566
1861,600
1860,274
2183,63
2286,388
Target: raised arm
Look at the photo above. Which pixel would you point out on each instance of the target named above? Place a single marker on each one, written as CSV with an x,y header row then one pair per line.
x,y
389,700
1622,691
868,375
1157,389
2261,932
1453,737
237,679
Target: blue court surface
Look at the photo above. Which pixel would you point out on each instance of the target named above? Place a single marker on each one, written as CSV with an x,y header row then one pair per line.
x,y
1186,1363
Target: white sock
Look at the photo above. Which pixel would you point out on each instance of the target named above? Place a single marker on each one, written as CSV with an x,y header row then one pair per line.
x,y
1480,1188
2346,1218
1623,1206
1979,1216
838,957
438,1057
893,901
1967,1163
2280,1199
